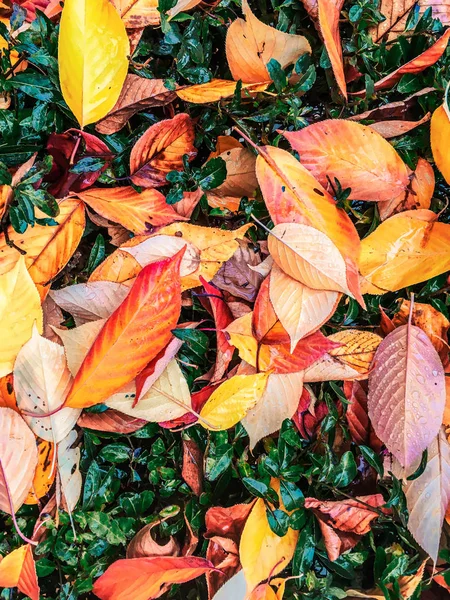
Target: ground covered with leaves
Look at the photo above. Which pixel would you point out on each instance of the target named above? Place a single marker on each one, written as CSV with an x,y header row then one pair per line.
x,y
224,258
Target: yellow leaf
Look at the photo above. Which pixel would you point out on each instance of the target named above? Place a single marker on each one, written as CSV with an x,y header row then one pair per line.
x,y
403,251
262,552
440,134
357,350
43,476
20,308
231,401
92,55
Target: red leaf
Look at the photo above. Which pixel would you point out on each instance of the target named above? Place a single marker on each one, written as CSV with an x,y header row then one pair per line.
x,y
66,149
222,317
142,578
357,417
227,522
192,471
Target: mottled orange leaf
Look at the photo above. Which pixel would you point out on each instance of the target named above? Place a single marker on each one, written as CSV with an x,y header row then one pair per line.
x,y
138,13
161,150
132,335
440,131
217,89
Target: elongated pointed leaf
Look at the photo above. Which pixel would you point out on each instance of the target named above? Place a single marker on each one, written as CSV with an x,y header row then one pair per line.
x,y
134,334
17,569
142,578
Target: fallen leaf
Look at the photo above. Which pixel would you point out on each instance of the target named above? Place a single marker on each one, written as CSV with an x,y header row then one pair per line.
x,y
18,462
136,212
90,301
143,544
414,66
222,318
251,44
224,555
20,309
293,195
186,206
266,327
78,341
263,553
69,481
48,249
138,93
300,309
217,89
192,471
17,569
418,195
156,367
111,421
132,335
278,402
143,577
52,315
167,399
227,522
395,128
7,395
119,267
44,475
240,181
359,157
138,13
403,251
67,150
430,320
397,12
236,275
42,381
428,496
440,128
90,84
356,348
406,397
231,401
329,12
356,415
161,149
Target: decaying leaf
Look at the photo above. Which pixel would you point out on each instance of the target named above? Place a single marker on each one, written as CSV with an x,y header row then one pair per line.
x,y
68,489
231,401
428,496
138,13
397,11
111,421
138,213
90,301
406,398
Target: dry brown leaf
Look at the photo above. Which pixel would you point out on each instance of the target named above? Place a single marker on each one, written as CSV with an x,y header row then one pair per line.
x,y
251,44
143,544
394,128
397,11
138,93
236,275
